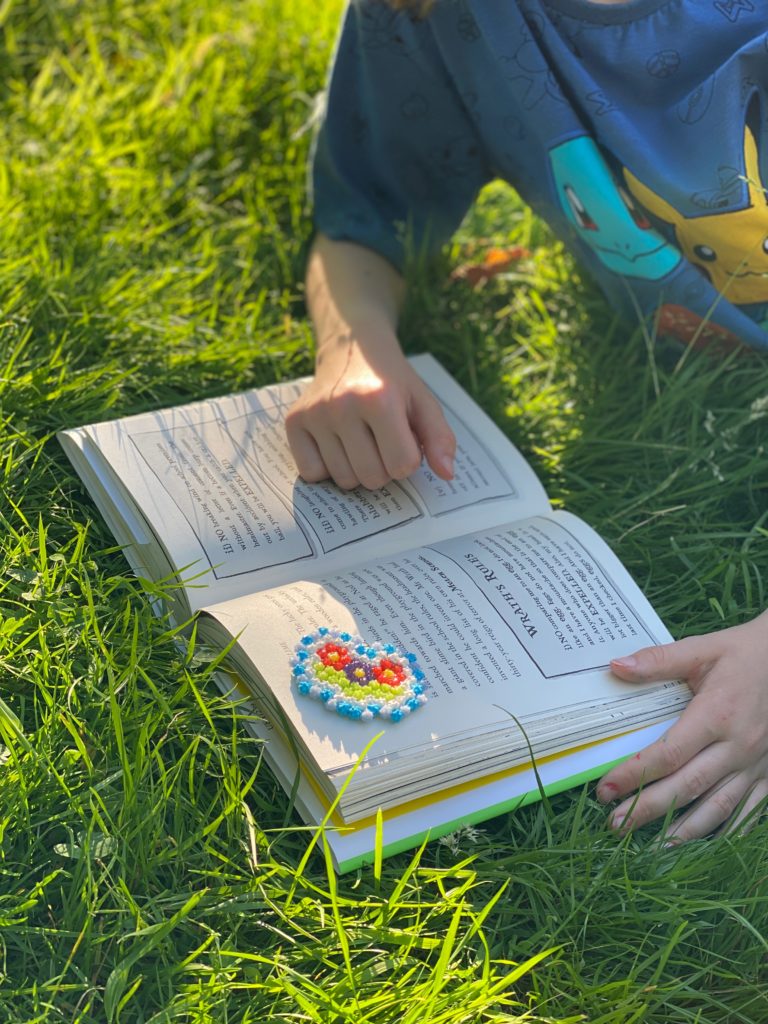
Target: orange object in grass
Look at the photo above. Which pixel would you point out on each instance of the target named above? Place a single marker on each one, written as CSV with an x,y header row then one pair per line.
x,y
496,261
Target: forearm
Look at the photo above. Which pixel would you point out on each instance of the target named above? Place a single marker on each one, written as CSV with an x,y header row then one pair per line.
x,y
353,295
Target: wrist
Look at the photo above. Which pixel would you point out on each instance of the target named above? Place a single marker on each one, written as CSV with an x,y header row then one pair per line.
x,y
374,345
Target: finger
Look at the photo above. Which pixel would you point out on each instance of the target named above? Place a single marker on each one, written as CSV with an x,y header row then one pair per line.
x,y
747,815
363,456
335,458
398,447
688,659
685,738
306,455
715,807
434,435
700,775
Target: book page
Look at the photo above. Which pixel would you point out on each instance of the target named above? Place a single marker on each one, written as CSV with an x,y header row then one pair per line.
x,y
518,621
216,483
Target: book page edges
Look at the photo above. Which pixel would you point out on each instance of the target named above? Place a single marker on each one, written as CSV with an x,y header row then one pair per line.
x,y
352,843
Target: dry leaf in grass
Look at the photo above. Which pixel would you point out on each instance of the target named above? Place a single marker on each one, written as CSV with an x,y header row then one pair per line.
x,y
494,262
691,329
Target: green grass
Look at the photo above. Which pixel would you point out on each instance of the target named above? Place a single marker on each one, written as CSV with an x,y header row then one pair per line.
x,y
153,226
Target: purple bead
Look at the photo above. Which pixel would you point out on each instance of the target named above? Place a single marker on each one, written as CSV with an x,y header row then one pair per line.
x,y
363,667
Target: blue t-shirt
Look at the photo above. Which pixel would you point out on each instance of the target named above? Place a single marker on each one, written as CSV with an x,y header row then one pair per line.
x,y
638,130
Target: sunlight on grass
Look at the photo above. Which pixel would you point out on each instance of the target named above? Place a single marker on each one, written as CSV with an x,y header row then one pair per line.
x,y
153,227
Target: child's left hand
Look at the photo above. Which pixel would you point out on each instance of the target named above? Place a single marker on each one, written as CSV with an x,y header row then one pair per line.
x,y
714,760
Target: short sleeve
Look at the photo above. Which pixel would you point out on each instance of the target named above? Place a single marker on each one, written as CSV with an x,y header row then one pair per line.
x,y
397,161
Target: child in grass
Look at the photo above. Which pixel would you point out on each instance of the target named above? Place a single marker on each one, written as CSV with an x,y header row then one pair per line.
x,y
639,130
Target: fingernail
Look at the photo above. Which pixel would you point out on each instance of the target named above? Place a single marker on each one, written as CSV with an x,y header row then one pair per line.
x,y
446,464
618,820
629,662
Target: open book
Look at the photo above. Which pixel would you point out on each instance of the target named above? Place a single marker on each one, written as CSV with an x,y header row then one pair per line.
x,y
513,610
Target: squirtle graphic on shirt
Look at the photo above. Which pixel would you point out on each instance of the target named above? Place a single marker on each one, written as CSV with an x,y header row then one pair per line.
x,y
604,214
729,247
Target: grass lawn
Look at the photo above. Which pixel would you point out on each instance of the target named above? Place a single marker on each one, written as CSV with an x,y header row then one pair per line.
x,y
153,226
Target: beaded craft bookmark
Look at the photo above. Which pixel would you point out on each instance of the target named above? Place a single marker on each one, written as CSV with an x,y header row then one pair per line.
x,y
355,679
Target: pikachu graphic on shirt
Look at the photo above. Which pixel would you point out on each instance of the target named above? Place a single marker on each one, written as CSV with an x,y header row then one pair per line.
x,y
730,248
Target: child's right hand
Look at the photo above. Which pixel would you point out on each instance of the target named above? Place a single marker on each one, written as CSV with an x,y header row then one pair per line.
x,y
367,418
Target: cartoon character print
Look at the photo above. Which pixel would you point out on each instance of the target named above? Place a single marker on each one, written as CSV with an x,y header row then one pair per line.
x,y
729,247
384,28
456,157
529,70
731,9
726,193
604,215
696,104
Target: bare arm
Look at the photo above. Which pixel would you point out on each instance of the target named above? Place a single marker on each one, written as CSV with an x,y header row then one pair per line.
x,y
367,417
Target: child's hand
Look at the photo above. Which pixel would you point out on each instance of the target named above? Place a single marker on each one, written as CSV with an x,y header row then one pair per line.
x,y
714,760
366,419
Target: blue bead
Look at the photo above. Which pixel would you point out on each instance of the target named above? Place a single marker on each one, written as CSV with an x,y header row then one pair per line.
x,y
307,640
323,631
390,648
355,712
417,689
374,708
302,655
412,703
345,637
360,649
326,694
396,715
411,658
304,687
298,670
418,674
371,652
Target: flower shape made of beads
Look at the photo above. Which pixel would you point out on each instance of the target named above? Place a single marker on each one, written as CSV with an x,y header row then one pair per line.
x,y
355,679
